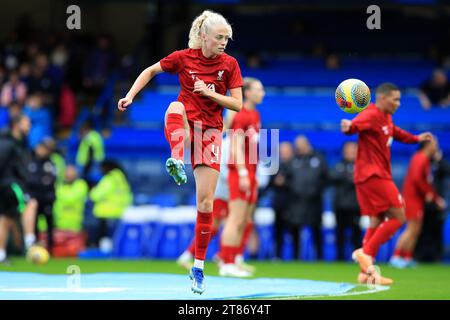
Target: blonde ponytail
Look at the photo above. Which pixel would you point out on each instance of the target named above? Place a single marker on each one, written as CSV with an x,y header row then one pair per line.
x,y
203,24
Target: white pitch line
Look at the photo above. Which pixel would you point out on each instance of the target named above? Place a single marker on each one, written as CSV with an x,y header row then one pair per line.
x,y
65,290
357,293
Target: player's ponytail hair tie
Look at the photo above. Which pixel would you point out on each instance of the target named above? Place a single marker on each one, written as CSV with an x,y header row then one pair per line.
x,y
203,24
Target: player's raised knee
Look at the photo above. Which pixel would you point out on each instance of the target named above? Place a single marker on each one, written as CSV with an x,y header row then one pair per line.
x,y
175,107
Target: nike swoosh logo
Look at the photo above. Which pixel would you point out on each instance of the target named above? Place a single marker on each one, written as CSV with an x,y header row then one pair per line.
x,y
191,72
202,232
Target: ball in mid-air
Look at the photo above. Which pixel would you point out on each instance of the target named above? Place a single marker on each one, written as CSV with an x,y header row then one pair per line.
x,y
352,96
38,255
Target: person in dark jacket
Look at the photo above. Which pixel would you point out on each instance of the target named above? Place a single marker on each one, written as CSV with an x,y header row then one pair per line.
x,y
308,172
281,196
41,181
14,200
345,204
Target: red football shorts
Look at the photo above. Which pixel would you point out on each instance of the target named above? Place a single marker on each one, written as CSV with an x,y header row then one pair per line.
x,y
414,208
251,196
376,195
220,210
205,146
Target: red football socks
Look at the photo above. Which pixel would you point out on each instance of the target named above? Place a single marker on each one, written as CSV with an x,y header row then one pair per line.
x,y
398,253
408,255
228,253
191,247
247,231
382,234
175,134
202,234
369,233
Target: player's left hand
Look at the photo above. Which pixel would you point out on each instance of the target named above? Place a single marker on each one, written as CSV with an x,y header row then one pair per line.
x,y
201,88
425,136
346,125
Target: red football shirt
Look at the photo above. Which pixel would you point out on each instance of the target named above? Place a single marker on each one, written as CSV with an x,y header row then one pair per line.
x,y
375,134
418,179
249,122
219,74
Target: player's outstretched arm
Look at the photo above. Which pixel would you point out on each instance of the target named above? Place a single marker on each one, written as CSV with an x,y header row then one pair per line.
x,y
406,137
232,102
140,82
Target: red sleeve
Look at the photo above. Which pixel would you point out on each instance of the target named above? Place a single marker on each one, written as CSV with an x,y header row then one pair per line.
x,y
404,136
363,121
419,176
173,62
235,78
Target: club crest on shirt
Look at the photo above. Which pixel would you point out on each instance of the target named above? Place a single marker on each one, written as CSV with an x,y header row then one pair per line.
x,y
385,129
219,75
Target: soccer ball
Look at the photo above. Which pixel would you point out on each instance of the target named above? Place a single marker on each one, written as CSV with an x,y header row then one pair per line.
x,y
38,255
352,96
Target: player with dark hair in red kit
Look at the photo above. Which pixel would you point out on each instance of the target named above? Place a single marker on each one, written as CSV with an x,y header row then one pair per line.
x,y
417,189
377,195
205,73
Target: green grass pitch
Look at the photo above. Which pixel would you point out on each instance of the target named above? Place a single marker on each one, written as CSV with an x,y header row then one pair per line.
x,y
427,281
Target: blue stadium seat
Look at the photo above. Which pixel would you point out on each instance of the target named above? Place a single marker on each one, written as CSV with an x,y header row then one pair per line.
x,y
169,244
128,241
312,72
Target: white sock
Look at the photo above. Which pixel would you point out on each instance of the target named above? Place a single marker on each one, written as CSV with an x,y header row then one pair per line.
x,y
2,254
186,255
239,259
30,238
199,264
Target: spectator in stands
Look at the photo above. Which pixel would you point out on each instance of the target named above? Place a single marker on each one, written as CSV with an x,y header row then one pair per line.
x,y
71,196
281,198
111,196
14,90
332,62
308,171
31,51
57,158
91,152
42,81
25,73
41,178
346,208
14,109
100,62
68,211
254,60
435,91
67,107
2,75
59,56
40,117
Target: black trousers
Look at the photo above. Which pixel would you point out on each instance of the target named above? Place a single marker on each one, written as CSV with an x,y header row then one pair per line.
x,y
46,209
106,228
430,245
345,220
294,230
